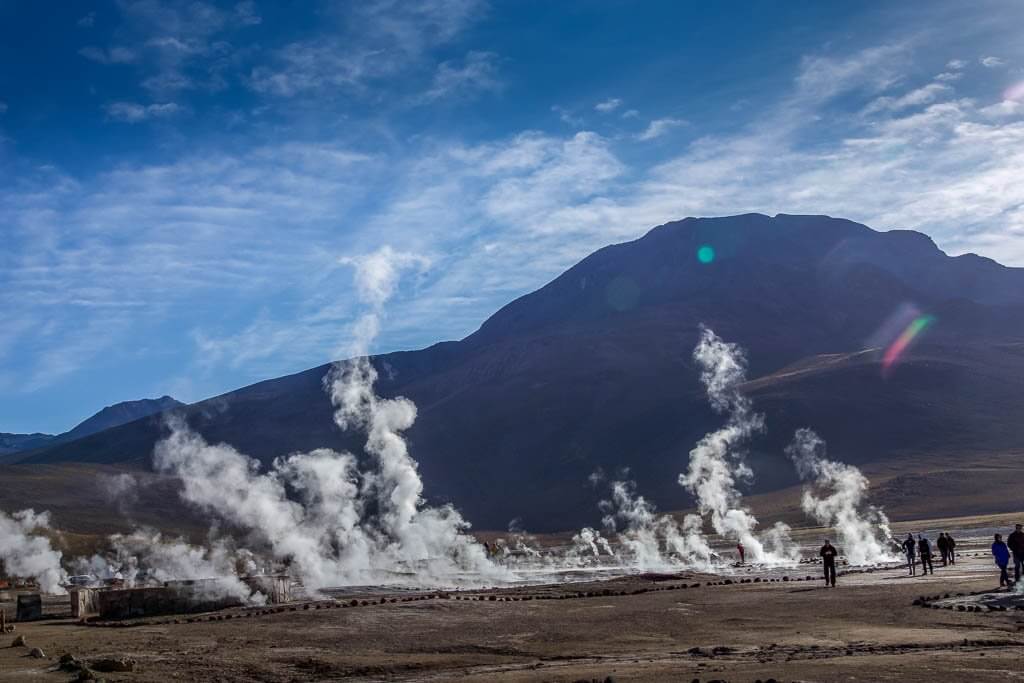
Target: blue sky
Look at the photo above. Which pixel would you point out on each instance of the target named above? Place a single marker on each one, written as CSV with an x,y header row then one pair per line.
x,y
184,181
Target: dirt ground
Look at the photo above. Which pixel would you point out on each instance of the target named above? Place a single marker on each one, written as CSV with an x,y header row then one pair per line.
x,y
748,626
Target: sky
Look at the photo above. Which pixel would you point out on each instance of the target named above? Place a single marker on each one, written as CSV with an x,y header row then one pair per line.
x,y
184,186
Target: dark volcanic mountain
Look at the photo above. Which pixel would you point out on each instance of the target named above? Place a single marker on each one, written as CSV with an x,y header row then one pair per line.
x,y
119,414
111,416
594,370
13,443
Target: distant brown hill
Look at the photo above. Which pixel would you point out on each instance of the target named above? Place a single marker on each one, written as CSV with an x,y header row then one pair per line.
x,y
594,371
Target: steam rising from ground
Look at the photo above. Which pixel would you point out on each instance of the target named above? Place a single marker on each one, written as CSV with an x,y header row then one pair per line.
x,y
650,541
340,524
145,557
834,496
333,520
26,553
716,463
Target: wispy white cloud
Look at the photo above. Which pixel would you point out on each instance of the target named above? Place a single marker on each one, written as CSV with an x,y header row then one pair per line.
x,y
567,116
992,62
112,55
1004,109
376,40
178,46
476,73
247,14
658,127
608,105
133,112
956,64
87,21
917,97
131,247
142,243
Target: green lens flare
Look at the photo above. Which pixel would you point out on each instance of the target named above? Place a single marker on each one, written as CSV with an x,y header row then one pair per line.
x,y
706,254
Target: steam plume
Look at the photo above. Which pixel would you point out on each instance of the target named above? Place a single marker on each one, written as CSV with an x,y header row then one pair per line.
x,y
409,529
146,557
716,463
651,541
26,553
589,543
318,511
834,496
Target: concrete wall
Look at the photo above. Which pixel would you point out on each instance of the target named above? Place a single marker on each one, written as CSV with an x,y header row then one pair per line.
x,y
30,607
277,587
178,598
84,602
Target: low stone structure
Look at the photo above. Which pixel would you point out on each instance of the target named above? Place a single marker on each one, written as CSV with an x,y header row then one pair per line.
x,y
84,602
174,597
180,597
277,587
30,607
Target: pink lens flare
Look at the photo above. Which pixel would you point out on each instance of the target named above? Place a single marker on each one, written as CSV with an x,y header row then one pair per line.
x,y
903,342
1015,92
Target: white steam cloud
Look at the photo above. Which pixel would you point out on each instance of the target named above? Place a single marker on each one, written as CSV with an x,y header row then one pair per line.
x,y
145,557
716,463
650,541
834,496
589,543
26,553
331,522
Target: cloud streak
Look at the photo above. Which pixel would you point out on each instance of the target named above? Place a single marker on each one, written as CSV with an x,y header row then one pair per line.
x,y
142,245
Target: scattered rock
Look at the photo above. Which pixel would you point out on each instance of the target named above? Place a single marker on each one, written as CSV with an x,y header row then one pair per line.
x,y
36,653
19,642
113,664
68,662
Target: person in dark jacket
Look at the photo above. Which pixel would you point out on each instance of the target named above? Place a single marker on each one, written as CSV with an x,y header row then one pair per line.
x,y
828,554
742,551
1015,542
951,544
943,548
910,548
1002,556
925,549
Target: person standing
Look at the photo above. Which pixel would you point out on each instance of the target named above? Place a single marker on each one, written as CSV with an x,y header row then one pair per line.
x,y
943,548
951,544
910,548
925,548
1002,556
828,555
1015,542
742,551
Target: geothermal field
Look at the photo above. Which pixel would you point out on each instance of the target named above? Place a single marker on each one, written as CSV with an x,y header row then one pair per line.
x,y
321,568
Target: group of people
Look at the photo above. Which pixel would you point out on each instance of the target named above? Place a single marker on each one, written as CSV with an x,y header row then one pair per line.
x,y
1002,552
922,548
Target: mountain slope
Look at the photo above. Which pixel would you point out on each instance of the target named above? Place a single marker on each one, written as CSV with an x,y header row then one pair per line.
x,y
111,416
593,371
119,414
13,443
